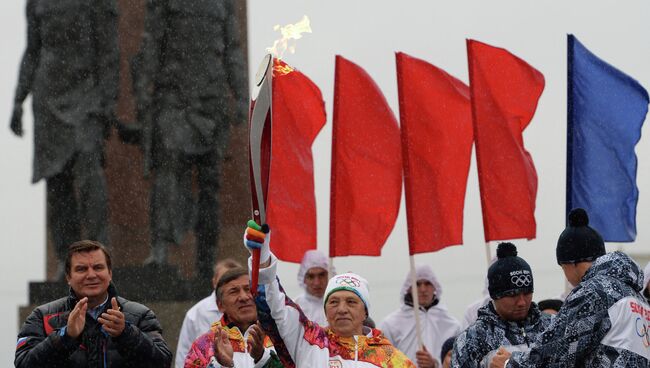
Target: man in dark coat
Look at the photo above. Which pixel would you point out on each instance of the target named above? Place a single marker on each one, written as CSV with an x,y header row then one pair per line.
x,y
93,326
511,319
190,69
604,321
71,68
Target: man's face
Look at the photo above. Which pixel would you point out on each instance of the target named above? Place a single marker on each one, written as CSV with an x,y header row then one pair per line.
x,y
345,313
316,281
236,301
513,308
549,311
89,274
571,273
426,291
447,362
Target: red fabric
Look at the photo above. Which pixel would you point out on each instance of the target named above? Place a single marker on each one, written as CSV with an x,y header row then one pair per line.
x,y
366,182
436,123
298,116
505,91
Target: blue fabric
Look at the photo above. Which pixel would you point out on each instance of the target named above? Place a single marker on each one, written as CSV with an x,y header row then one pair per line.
x,y
253,244
606,110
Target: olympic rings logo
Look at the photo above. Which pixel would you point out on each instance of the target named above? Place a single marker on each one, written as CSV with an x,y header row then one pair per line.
x,y
643,332
521,280
347,281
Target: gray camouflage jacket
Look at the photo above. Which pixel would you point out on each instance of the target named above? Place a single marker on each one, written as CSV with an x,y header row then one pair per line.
x,y
603,322
474,345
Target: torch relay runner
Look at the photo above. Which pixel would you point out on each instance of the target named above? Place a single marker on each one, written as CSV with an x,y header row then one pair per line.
x,y
345,342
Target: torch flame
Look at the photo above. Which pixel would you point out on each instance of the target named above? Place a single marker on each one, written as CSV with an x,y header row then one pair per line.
x,y
290,33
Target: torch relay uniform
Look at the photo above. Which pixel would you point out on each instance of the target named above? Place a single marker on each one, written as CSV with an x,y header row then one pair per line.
x,y
437,324
310,345
480,341
197,321
603,322
202,350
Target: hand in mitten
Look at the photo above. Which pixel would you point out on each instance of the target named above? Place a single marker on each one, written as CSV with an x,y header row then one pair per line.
x,y
258,237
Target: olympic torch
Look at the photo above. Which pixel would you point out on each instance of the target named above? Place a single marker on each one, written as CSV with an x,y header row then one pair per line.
x,y
259,150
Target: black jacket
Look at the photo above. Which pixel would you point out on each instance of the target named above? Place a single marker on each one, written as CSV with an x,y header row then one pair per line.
x,y
40,343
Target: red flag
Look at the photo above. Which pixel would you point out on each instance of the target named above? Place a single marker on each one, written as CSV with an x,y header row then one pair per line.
x,y
505,91
366,182
298,115
436,123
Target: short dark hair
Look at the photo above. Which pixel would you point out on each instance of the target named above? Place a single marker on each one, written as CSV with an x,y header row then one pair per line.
x,y
228,276
227,263
86,246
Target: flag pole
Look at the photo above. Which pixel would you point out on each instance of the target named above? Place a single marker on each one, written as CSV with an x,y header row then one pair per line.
x,y
488,253
330,267
416,302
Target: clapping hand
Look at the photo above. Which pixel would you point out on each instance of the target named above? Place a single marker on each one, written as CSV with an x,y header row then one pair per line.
x,y
113,320
77,319
222,348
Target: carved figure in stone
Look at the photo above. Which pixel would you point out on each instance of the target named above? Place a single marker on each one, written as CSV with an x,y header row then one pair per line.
x,y
71,69
190,69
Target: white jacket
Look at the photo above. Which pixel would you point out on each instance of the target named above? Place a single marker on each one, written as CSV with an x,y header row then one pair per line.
x,y
197,322
202,352
437,324
312,307
313,346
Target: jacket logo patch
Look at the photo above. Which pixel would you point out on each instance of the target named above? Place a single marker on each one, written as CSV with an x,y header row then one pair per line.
x,y
47,325
335,364
642,331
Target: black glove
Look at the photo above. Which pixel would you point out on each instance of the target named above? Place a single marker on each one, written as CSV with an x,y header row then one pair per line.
x,y
16,124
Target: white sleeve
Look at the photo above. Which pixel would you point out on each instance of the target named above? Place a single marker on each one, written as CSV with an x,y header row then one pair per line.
x,y
184,341
291,326
384,327
265,357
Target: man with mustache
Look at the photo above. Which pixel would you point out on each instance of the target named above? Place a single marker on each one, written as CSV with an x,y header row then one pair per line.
x,y
510,320
236,340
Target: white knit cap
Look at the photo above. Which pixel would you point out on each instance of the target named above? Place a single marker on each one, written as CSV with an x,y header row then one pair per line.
x,y
422,272
312,258
349,282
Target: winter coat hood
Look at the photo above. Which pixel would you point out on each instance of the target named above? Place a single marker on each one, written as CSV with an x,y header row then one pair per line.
x,y
422,272
619,266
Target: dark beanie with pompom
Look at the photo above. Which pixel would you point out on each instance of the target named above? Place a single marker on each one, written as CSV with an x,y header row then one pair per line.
x,y
579,242
509,275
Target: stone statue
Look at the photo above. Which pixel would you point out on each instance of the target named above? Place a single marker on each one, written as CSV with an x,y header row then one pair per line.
x,y
71,68
190,69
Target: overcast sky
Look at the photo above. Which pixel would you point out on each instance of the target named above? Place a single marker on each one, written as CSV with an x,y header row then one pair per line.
x,y
369,33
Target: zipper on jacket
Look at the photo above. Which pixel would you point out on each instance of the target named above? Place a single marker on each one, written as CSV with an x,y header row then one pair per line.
x,y
356,349
523,332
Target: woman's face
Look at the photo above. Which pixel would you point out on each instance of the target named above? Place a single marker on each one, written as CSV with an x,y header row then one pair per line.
x,y
345,313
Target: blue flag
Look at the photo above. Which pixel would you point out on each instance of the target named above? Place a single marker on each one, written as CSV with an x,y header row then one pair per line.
x,y
606,109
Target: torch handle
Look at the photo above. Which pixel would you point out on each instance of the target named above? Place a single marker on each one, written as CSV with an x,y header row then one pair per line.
x,y
255,272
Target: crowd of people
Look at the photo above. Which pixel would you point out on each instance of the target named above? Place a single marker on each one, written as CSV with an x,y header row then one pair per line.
x,y
602,322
